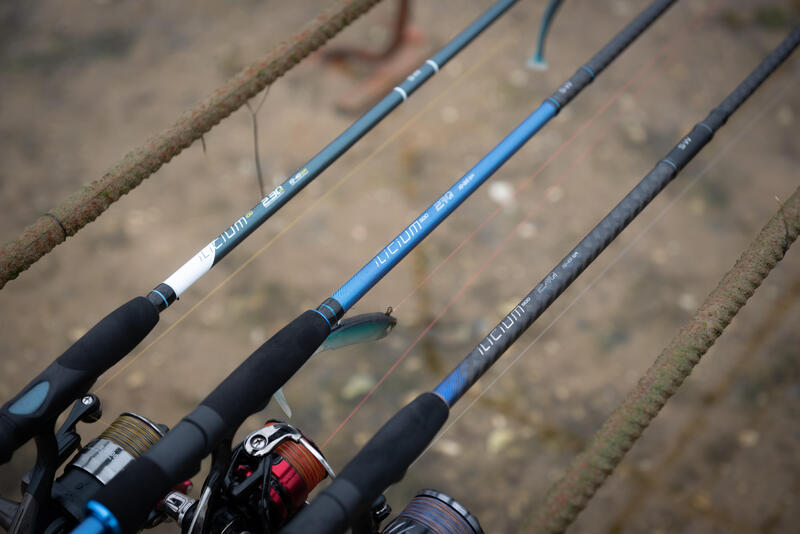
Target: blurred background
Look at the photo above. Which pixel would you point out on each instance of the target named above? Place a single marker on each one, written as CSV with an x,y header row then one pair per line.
x,y
82,83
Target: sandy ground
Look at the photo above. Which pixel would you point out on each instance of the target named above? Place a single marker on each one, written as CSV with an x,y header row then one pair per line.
x,y
84,82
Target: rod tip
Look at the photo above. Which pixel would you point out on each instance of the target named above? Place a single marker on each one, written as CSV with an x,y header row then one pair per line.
x,y
536,64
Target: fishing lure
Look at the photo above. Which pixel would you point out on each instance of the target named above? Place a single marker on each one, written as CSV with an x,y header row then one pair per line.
x,y
351,331
359,329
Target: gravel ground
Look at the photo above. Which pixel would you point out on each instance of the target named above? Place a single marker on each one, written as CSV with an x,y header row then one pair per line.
x,y
84,82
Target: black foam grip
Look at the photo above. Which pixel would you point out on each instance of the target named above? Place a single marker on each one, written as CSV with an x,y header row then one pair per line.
x,y
112,338
382,462
329,512
134,492
385,458
246,390
174,458
250,386
72,374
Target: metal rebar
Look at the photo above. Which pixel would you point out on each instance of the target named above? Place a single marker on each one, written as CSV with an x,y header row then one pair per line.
x,y
568,496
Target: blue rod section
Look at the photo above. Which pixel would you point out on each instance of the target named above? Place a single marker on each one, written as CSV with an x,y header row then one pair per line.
x,y
278,197
399,247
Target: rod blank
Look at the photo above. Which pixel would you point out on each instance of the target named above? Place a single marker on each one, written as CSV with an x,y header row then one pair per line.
x,y
579,258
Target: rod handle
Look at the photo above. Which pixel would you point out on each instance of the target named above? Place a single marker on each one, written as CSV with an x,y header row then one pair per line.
x,y
382,462
73,373
132,494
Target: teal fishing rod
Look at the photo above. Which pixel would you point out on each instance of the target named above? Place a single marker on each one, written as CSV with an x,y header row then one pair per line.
x,y
116,508
384,460
73,373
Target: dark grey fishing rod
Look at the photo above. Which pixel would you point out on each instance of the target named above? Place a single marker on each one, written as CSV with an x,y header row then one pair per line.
x,y
386,457
73,373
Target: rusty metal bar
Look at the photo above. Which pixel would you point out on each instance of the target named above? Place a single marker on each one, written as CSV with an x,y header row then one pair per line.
x,y
567,497
86,204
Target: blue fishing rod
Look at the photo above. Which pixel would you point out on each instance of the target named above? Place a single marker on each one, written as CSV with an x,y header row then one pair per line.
x,y
116,508
386,457
73,373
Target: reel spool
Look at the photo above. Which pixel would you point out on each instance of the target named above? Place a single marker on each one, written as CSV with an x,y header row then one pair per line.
x,y
269,479
127,438
296,471
433,512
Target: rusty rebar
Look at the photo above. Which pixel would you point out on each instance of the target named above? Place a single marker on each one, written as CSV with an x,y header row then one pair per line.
x,y
399,36
87,203
567,497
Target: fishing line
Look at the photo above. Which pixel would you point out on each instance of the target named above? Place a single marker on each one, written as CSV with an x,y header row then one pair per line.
x,y
391,139
716,159
642,70
254,117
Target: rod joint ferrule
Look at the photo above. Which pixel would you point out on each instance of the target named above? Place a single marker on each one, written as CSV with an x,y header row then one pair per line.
x,y
162,296
331,310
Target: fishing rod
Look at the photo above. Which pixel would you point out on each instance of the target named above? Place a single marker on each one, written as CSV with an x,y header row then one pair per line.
x,y
73,373
248,388
384,460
